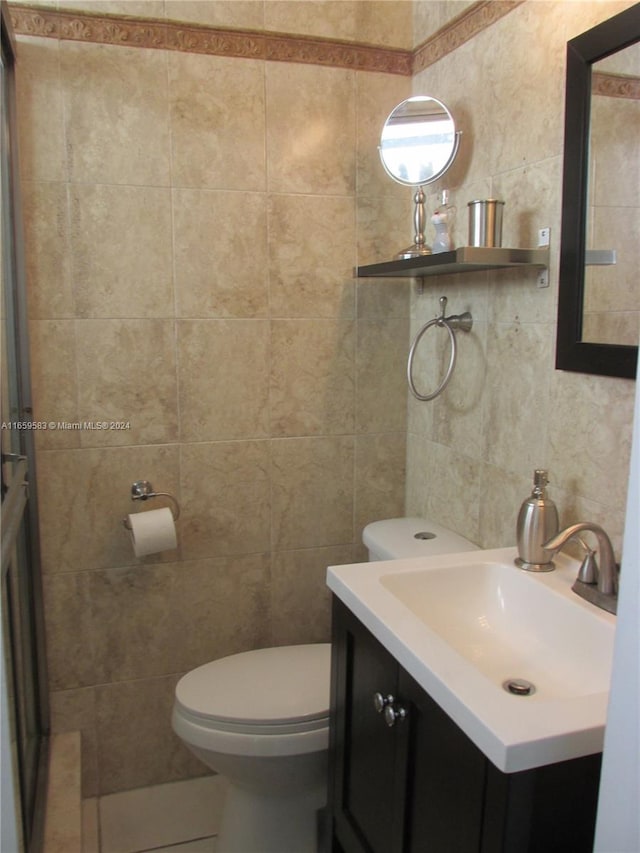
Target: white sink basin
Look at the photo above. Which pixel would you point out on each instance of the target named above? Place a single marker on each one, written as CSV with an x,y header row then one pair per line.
x,y
510,626
463,624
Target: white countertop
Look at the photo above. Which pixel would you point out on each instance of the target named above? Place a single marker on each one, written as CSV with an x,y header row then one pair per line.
x,y
514,732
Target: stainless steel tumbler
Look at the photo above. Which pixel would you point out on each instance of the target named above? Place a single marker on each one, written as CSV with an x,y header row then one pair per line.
x,y
485,222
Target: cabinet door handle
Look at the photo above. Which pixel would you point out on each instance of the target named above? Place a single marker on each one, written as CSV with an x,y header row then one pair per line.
x,y
381,702
394,714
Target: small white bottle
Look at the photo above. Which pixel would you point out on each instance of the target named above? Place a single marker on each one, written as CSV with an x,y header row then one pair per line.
x,y
442,219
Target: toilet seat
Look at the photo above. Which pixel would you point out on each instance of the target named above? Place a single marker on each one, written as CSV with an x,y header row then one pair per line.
x,y
274,691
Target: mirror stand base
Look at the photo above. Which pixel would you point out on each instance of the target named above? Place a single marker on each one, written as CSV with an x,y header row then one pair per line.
x,y
417,250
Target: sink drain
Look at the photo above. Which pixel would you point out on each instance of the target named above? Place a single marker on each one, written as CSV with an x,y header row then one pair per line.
x,y
519,687
424,534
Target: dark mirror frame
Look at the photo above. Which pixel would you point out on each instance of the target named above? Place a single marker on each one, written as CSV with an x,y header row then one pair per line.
x,y
571,352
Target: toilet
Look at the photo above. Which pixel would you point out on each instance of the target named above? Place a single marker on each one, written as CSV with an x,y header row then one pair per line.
x,y
261,719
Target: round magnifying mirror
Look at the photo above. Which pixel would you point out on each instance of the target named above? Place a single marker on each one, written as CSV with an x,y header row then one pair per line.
x,y
418,141
418,144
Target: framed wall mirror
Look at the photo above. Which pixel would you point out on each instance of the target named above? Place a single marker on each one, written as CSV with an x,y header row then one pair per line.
x,y
599,291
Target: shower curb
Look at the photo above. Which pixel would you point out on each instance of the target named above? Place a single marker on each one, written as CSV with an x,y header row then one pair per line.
x,y
63,817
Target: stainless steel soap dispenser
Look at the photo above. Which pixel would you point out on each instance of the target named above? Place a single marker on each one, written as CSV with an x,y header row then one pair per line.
x,y
537,523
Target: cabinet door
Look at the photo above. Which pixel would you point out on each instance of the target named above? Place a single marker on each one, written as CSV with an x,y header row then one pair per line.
x,y
365,787
445,778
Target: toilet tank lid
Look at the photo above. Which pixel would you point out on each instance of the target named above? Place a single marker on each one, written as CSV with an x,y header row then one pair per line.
x,y
276,685
395,538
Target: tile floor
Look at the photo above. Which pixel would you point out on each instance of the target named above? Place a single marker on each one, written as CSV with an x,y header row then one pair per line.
x,y
180,817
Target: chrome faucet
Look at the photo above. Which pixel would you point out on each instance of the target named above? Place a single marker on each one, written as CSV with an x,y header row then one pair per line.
x,y
602,592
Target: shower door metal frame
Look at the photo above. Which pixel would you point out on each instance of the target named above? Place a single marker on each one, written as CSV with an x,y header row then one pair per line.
x,y
20,494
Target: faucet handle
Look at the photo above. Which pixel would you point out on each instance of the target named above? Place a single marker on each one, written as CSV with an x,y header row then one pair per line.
x,y
588,572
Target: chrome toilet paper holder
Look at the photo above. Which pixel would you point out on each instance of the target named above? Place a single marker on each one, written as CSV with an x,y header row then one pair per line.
x,y
142,490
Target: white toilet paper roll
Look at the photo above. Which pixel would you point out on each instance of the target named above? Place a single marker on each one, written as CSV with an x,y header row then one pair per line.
x,y
152,531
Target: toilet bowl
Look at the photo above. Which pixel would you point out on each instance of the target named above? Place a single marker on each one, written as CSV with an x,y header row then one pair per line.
x,y
261,719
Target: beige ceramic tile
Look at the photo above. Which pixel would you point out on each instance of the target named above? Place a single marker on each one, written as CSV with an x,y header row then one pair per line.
x,y
428,369
384,23
590,436
300,597
310,129
376,298
128,275
135,8
200,845
220,241
459,411
226,498
581,18
83,497
90,826
532,201
311,256
455,490
500,504
508,134
381,361
224,379
532,197
47,258
221,607
145,751
378,95
53,378
215,103
162,815
312,377
326,18
417,484
312,489
380,478
40,116
246,14
70,658
420,414
117,127
63,815
74,710
573,508
385,227
132,623
516,400
127,375
430,15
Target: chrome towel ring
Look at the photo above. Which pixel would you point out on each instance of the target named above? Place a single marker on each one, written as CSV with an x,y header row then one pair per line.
x,y
464,322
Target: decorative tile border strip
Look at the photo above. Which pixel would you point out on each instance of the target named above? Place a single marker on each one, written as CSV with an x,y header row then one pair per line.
x,y
461,29
615,85
252,44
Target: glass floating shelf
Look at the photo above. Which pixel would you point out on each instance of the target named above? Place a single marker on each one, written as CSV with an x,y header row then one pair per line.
x,y
464,259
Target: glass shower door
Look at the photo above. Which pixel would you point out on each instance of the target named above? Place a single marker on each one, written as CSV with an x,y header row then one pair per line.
x,y
25,727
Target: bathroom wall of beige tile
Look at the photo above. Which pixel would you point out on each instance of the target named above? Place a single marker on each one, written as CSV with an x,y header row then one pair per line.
x,y
192,223
472,452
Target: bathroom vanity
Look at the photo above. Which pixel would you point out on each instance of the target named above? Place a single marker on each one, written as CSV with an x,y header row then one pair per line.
x,y
405,776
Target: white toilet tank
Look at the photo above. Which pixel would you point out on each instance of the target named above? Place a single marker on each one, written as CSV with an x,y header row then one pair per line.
x,y
394,538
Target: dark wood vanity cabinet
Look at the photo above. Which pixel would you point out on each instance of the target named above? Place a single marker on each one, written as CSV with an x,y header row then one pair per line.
x,y
420,785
